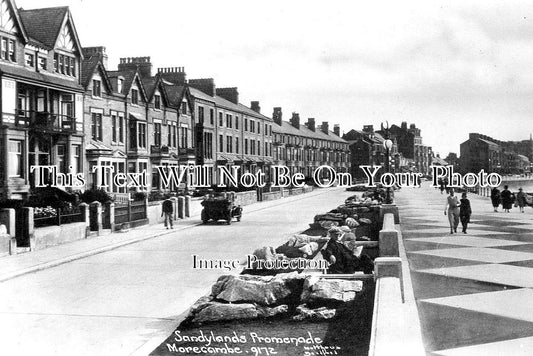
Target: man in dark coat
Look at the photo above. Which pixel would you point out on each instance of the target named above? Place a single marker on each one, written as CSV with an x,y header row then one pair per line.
x,y
495,197
507,199
341,259
168,212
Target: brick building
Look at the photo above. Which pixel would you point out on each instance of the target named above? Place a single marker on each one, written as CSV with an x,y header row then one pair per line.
x,y
305,147
42,97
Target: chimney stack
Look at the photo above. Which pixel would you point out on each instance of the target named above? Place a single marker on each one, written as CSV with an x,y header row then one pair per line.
x,y
206,85
337,130
142,64
295,120
254,105
277,116
325,127
175,75
230,94
96,51
311,124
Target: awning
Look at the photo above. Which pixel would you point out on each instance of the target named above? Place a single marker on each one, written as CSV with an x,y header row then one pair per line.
x,y
223,158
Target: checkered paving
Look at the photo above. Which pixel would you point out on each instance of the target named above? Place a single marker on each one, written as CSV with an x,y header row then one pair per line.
x,y
474,291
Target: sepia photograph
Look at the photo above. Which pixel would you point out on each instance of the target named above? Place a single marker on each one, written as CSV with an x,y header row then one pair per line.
x,y
292,178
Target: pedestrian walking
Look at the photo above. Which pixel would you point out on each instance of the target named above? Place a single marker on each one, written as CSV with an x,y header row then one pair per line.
x,y
465,211
168,211
507,199
521,199
496,198
452,208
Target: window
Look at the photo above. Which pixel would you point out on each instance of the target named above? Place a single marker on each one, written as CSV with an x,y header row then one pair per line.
x,y
29,59
134,96
172,134
228,121
73,67
157,102
67,65
258,148
120,84
4,49
114,127
212,116
236,145
12,56
42,63
184,137
245,124
221,143
266,149
252,126
62,64
15,158
245,146
201,114
157,134
236,122
266,129
184,107
258,127
220,119
141,136
252,147
208,145
229,144
97,88
96,126
121,128
61,150
76,159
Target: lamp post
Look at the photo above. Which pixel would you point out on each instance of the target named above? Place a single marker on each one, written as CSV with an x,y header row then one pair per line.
x,y
387,144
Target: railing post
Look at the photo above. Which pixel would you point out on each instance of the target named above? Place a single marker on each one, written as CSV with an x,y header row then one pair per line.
x,y
28,226
187,206
96,217
181,207
58,216
84,210
110,215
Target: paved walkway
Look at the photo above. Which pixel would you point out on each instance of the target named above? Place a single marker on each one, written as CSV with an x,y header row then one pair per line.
x,y
17,265
473,291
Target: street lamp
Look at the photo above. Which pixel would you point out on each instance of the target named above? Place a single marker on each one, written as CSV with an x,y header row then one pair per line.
x,y
387,144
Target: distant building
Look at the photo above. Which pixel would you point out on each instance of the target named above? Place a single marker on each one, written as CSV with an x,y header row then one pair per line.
x,y
484,152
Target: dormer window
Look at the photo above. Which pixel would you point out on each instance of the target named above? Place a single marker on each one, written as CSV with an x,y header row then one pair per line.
x,y
97,88
120,84
65,64
184,108
157,102
134,96
29,60
42,63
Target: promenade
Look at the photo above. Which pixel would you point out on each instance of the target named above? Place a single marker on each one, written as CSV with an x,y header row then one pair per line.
x,y
473,291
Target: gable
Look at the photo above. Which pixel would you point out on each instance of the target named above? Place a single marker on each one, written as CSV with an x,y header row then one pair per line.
x,y
7,20
65,39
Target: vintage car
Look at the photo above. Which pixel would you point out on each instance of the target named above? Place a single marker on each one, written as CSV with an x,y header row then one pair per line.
x,y
220,206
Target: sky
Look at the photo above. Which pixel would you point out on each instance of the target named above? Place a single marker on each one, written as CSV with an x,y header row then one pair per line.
x,y
450,67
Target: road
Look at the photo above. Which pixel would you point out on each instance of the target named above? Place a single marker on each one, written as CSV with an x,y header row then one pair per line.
x,y
125,301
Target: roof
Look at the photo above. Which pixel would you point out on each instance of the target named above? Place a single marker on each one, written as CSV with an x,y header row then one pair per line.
x,y
43,26
490,143
439,161
175,93
88,67
53,81
287,128
223,103
129,77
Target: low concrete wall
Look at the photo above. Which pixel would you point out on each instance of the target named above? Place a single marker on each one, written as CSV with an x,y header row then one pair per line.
x,y
154,212
56,235
246,198
271,196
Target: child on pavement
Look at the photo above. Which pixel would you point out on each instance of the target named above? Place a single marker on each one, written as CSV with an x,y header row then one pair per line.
x,y
465,211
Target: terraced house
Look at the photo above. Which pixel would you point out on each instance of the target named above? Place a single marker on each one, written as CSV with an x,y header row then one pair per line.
x,y
305,147
42,96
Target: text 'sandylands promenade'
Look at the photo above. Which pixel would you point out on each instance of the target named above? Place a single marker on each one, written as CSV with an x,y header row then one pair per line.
x,y
473,291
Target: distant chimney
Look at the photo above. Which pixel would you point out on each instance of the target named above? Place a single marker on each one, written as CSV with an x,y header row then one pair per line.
x,y
368,128
143,64
96,51
230,94
337,130
206,85
311,124
404,125
295,120
175,75
325,127
254,105
412,126
277,116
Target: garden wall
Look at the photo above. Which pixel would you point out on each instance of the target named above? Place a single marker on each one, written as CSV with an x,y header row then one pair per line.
x,y
56,235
